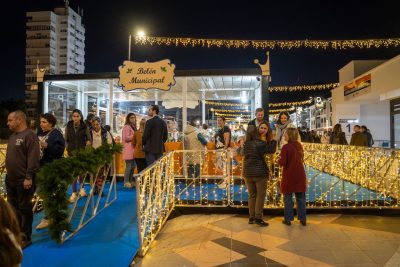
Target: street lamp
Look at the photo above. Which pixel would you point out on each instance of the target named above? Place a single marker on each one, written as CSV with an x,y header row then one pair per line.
x,y
140,34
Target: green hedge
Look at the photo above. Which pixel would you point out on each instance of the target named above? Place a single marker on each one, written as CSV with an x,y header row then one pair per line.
x,y
55,178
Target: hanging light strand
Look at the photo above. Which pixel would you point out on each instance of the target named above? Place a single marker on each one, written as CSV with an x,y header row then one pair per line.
x,y
293,88
270,44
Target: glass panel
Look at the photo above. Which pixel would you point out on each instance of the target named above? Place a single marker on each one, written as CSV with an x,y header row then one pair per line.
x,y
62,99
138,101
396,121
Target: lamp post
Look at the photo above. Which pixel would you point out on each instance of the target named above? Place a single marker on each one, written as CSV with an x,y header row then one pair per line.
x,y
129,47
140,34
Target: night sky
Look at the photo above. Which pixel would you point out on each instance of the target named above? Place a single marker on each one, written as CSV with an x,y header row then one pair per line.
x,y
108,24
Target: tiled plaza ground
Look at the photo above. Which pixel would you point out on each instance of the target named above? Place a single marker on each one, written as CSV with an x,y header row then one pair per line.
x,y
227,240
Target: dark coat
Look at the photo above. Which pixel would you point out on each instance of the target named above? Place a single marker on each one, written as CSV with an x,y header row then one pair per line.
x,y
338,139
155,135
254,165
252,122
294,175
76,140
369,138
55,146
359,139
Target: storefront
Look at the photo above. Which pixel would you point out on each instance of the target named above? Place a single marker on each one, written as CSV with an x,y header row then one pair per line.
x,y
367,95
203,95
190,97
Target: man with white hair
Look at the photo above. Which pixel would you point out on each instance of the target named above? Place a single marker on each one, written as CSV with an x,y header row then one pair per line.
x,y
22,163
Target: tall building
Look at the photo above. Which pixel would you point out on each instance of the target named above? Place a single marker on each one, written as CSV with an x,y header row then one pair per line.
x,y
55,40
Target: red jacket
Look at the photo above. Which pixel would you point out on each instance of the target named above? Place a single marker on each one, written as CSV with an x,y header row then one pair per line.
x,y
294,176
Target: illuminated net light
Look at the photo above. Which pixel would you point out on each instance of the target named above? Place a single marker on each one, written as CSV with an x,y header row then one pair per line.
x,y
270,44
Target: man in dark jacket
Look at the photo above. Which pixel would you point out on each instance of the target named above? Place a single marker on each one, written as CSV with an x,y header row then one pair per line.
x,y
22,163
154,136
358,138
259,117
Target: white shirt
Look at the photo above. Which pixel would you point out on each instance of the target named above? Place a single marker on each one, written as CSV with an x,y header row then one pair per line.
x,y
97,139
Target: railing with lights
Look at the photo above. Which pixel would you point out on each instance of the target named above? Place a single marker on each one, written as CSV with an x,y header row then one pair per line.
x,y
155,199
337,177
3,149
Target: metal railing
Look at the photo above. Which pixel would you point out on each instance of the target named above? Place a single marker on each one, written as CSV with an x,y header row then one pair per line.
x,y
155,199
3,149
95,203
337,177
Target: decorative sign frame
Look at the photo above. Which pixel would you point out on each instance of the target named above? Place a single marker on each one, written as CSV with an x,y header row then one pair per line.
x,y
147,75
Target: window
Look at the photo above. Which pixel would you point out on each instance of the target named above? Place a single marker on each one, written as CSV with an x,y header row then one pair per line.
x,y
395,123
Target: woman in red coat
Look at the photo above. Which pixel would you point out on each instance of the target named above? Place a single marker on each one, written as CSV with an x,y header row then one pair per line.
x,y
294,177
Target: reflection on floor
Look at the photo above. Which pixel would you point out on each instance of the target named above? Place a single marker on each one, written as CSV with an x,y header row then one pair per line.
x,y
227,240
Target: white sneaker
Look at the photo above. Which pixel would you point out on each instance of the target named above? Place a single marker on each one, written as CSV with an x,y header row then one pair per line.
x,y
82,192
222,185
44,223
127,185
73,198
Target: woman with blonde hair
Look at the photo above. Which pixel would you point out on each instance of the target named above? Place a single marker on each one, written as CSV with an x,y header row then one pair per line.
x,y
10,237
294,177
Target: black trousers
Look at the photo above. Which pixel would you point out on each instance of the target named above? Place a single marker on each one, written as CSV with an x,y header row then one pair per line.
x,y
21,200
193,170
141,164
150,157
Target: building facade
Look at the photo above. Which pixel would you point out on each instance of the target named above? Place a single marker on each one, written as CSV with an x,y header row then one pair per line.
x,y
55,40
368,94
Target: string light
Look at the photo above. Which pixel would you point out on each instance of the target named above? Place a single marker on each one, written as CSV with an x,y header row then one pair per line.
x,y
226,104
231,110
303,87
295,103
232,115
276,111
270,44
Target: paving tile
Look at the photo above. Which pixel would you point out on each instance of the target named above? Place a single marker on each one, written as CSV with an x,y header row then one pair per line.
x,y
391,245
394,260
379,223
169,260
249,237
283,257
228,240
351,257
348,245
381,257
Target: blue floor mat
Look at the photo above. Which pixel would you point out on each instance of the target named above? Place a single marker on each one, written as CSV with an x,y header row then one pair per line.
x,y
321,187
110,239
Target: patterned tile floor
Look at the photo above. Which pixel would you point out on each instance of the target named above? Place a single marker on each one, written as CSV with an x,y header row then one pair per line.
x,y
227,240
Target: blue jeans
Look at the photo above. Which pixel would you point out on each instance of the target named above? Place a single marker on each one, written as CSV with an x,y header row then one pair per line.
x,y
301,206
130,166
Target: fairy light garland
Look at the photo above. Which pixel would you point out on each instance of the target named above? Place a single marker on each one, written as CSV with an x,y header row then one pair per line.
x,y
231,115
315,87
238,112
223,104
230,110
273,111
269,44
295,103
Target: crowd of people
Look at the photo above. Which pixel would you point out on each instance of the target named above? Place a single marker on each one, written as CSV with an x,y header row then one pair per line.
x,y
361,136
27,152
